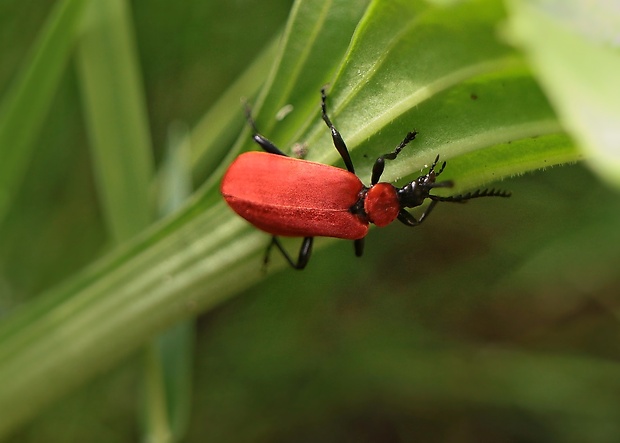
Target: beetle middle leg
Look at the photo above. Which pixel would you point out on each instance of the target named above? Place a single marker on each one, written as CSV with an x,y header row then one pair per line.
x,y
359,247
302,259
261,140
406,218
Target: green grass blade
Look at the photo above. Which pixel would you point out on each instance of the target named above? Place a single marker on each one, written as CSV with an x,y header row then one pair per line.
x,y
29,98
170,357
116,114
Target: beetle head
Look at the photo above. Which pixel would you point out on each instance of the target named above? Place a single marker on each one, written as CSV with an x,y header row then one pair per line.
x,y
414,193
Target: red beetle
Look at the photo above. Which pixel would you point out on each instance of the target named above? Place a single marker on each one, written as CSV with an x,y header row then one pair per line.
x,y
289,197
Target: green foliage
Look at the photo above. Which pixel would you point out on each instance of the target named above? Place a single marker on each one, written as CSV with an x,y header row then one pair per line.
x,y
491,322
573,49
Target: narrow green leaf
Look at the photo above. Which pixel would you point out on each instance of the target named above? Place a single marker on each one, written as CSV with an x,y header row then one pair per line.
x,y
168,383
116,114
176,171
170,357
29,98
155,413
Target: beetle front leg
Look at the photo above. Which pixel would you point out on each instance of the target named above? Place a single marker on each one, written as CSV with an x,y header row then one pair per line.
x,y
379,165
339,143
407,219
304,252
261,140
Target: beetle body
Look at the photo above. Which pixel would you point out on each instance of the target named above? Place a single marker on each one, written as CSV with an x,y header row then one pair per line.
x,y
284,196
294,198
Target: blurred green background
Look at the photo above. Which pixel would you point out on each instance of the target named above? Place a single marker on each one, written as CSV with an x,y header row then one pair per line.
x,y
494,321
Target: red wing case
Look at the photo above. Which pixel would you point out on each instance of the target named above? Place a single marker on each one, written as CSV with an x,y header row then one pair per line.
x,y
291,197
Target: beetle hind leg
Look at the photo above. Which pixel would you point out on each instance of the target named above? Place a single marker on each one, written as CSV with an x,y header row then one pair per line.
x,y
302,259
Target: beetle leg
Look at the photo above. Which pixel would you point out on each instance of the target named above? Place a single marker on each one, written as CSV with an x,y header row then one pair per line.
x,y
359,247
379,165
304,252
261,140
406,218
339,143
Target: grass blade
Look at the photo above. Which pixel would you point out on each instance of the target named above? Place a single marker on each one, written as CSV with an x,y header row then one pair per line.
x,y
28,100
117,119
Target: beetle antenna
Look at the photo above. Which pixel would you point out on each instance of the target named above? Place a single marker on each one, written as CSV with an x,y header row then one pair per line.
x,y
462,198
443,166
434,165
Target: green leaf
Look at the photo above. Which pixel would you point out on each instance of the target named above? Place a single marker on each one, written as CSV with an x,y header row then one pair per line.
x,y
571,47
441,71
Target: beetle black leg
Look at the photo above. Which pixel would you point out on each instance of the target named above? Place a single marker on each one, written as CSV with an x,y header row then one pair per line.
x,y
304,252
359,247
339,143
261,140
406,218
379,165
